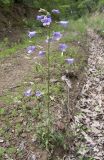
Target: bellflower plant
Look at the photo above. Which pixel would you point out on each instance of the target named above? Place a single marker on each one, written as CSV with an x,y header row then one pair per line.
x,y
46,21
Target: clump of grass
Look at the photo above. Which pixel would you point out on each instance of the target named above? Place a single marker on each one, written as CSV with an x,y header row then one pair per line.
x,y
51,139
97,23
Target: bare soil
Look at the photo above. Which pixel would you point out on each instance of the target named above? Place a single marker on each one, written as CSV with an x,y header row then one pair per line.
x,y
13,70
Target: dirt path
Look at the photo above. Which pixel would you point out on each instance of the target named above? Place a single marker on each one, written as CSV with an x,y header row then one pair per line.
x,y
89,124
14,69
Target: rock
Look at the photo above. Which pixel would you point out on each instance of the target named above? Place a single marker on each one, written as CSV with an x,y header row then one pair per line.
x,y
21,146
23,135
1,140
44,155
32,156
60,125
19,119
34,138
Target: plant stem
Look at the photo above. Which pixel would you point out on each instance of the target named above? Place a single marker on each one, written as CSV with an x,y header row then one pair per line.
x,y
48,58
48,85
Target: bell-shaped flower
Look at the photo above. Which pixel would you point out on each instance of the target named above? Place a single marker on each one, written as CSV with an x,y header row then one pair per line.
x,y
41,53
46,20
55,11
31,34
63,47
28,93
31,49
70,60
40,17
38,93
64,23
57,36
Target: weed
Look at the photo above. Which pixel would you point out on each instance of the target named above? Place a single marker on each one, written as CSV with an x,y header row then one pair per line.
x,y
49,138
2,151
2,111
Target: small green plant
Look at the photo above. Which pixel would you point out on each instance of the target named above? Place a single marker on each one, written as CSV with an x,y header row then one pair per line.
x,y
2,151
49,138
11,150
2,111
18,128
87,158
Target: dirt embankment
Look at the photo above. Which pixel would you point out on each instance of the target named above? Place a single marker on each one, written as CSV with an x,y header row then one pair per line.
x,y
89,139
13,21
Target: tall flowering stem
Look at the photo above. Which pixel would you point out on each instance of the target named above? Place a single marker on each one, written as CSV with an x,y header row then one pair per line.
x,y
46,21
48,87
48,58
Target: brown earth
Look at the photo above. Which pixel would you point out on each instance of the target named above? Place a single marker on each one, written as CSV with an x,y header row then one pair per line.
x,y
13,70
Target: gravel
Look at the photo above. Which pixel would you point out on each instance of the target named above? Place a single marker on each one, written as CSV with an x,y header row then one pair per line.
x,y
89,122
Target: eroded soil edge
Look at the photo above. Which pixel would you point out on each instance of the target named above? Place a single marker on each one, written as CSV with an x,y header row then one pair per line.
x,y
89,122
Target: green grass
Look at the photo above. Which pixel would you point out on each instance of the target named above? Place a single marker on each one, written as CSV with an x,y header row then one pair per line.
x,y
18,47
97,23
12,50
76,30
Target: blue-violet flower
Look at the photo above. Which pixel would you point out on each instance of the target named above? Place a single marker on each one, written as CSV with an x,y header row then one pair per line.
x,y
69,60
41,53
30,49
27,93
64,23
38,94
57,36
39,18
63,47
46,21
31,34
56,11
